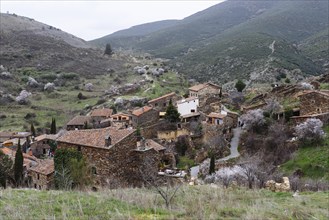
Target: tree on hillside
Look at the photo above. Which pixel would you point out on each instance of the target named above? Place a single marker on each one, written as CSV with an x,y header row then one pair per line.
x,y
310,131
172,115
33,130
53,126
18,165
212,164
6,165
240,85
253,120
108,49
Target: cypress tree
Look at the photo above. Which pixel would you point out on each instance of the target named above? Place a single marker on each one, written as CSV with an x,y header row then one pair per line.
x,y
33,130
18,165
212,164
53,126
172,115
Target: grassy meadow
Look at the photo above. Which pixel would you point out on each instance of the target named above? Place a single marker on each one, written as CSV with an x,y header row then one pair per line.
x,y
190,202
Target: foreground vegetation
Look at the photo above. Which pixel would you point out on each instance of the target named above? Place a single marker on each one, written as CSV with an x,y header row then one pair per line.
x,y
195,202
312,161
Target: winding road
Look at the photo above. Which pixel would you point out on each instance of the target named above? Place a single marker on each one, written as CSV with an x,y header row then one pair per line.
x,y
234,151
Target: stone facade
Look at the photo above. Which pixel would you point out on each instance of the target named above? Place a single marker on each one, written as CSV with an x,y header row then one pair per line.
x,y
204,91
314,102
161,103
109,164
144,116
41,176
172,135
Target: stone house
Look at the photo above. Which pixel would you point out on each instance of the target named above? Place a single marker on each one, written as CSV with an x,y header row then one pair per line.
x,y
106,152
40,144
161,103
313,102
79,122
216,118
144,116
188,106
97,115
204,91
121,119
41,176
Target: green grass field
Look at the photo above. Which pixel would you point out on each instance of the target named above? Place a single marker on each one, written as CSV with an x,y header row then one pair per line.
x,y
313,161
190,202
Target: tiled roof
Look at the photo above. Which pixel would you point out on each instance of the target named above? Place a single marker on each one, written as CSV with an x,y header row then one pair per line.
x,y
216,115
95,137
101,112
141,110
79,120
120,114
202,86
45,137
162,97
11,134
152,144
44,167
187,100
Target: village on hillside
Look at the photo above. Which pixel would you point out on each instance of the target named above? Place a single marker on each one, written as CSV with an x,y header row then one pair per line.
x,y
168,136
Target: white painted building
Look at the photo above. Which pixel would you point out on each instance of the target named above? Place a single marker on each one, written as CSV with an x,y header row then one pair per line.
x,y
188,106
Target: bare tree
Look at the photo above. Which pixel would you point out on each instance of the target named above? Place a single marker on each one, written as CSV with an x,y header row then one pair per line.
x,y
310,130
165,185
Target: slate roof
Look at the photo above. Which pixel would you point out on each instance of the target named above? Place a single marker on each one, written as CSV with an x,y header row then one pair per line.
x,y
141,110
101,112
44,167
79,120
162,97
95,137
187,100
152,144
216,115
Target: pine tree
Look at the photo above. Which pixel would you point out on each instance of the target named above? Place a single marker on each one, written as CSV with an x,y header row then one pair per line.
x,y
33,130
172,115
212,164
18,165
53,126
240,85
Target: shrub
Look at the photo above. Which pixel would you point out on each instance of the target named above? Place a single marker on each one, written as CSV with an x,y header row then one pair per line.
x,y
253,120
310,131
240,85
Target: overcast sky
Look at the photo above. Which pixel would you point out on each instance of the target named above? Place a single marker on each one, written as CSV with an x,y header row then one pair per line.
x,y
94,19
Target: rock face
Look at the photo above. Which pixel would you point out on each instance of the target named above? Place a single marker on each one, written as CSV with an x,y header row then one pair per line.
x,y
278,187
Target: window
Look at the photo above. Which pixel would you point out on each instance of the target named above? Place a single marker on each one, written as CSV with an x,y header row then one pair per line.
x,y
44,150
164,104
155,104
38,176
79,148
93,170
192,110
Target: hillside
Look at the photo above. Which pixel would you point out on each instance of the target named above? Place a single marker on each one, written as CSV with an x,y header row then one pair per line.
x,y
232,39
132,34
196,202
28,43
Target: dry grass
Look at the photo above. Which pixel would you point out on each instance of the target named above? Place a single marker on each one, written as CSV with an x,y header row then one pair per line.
x,y
191,202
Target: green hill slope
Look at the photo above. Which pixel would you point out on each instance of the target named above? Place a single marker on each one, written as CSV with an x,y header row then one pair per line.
x,y
202,40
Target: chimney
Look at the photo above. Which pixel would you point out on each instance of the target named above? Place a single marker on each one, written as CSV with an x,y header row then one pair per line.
x,y
108,141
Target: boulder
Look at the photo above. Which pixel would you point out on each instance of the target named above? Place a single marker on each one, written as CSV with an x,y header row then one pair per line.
x,y
49,87
32,82
22,98
5,75
278,187
89,87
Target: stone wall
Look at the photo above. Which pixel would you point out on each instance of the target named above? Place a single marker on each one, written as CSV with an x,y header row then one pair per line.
x,y
163,103
172,135
314,103
40,148
147,118
110,164
40,181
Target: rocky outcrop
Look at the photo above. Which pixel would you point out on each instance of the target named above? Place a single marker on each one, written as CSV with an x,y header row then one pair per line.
x,y
278,187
